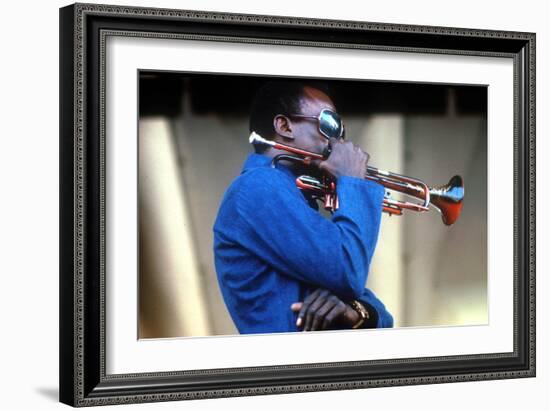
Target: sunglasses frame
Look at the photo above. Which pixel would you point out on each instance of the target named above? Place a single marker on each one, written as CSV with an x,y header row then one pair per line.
x,y
318,118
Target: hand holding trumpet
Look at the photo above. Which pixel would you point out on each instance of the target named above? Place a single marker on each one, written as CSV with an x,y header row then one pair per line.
x,y
346,159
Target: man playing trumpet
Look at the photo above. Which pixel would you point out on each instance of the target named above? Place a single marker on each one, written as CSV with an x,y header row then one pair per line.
x,y
281,265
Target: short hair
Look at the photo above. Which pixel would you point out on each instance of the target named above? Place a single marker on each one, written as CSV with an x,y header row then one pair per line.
x,y
277,97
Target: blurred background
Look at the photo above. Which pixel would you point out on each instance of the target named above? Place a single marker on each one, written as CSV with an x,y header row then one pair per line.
x,y
193,139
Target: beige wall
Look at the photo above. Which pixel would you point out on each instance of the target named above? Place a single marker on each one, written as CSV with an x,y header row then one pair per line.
x,y
446,267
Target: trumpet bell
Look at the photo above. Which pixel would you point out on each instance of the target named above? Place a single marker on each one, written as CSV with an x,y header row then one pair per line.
x,y
448,199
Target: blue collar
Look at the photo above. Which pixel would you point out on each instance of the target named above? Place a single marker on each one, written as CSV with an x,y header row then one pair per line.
x,y
255,160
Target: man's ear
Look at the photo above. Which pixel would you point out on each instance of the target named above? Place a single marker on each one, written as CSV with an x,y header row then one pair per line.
x,y
283,126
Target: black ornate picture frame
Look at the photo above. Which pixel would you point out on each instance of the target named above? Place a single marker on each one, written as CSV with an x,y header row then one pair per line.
x,y
83,31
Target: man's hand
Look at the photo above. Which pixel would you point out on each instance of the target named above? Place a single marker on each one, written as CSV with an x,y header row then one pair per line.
x,y
322,310
346,159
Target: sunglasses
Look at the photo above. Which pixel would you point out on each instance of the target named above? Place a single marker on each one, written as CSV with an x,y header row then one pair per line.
x,y
330,123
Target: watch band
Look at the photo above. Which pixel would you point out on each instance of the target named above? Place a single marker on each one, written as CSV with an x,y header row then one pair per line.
x,y
362,311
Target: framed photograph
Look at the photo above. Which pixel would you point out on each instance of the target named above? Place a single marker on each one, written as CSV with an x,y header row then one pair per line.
x,y
261,204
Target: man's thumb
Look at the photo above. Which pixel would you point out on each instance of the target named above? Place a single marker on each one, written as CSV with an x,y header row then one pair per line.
x,y
331,143
296,306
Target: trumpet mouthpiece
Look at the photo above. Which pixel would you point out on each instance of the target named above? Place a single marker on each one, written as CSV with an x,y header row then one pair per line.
x,y
255,138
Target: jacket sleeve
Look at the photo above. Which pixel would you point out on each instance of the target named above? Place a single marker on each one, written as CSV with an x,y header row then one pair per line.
x,y
281,228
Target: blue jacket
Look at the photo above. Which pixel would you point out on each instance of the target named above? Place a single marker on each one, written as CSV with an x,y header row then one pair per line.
x,y
272,249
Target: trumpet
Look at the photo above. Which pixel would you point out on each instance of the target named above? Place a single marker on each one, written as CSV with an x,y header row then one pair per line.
x,y
446,199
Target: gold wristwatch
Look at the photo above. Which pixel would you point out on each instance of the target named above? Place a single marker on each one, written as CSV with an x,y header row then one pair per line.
x,y
362,311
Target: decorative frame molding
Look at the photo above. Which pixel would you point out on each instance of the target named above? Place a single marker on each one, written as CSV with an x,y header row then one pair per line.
x,y
83,32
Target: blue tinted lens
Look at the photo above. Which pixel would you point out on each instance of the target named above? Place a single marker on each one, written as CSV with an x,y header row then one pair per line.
x,y
330,124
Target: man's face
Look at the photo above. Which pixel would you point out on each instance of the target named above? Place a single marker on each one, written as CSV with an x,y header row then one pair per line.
x,y
306,130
